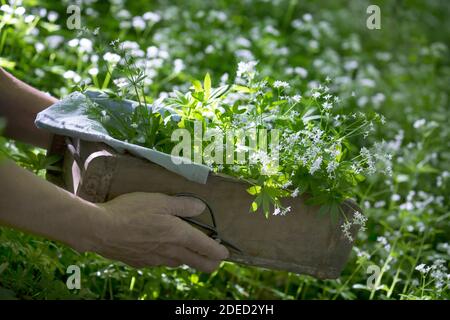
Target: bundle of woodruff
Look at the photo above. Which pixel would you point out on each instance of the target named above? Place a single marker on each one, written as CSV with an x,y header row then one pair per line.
x,y
277,169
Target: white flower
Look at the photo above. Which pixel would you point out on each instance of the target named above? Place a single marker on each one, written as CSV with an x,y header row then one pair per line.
x,y
360,219
316,165
331,167
367,82
383,241
316,94
302,72
72,75
246,69
52,16
94,58
19,11
351,65
123,14
419,123
209,49
111,58
295,193
178,65
73,43
346,226
296,98
280,84
243,42
379,204
152,52
85,45
121,82
114,42
54,41
422,268
224,78
29,18
140,139
130,45
307,17
151,16
6,8
407,206
163,54
286,210
39,46
244,54
327,105
287,184
138,23
93,71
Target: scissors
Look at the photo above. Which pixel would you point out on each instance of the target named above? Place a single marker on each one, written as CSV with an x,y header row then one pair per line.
x,y
212,229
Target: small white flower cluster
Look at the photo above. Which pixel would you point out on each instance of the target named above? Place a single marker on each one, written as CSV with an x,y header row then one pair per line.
x,y
111,58
346,230
121,82
281,211
437,271
280,84
139,23
421,201
384,242
358,220
246,69
312,147
422,268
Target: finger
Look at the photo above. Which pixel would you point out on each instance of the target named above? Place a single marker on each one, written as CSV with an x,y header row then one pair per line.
x,y
154,260
199,242
191,258
183,206
170,262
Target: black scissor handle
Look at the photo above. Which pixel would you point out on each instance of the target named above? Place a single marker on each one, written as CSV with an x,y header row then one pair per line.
x,y
213,228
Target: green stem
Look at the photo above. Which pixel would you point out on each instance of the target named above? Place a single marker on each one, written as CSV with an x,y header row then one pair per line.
x,y
416,260
109,71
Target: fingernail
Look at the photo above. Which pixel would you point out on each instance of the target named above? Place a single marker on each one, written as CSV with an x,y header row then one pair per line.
x,y
199,206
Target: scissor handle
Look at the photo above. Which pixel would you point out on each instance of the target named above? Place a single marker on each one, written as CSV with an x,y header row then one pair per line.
x,y
193,195
213,228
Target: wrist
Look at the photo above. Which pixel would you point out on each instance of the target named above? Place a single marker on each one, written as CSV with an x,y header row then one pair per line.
x,y
90,235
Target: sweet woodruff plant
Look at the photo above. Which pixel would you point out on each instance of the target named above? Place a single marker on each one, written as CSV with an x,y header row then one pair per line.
x,y
312,152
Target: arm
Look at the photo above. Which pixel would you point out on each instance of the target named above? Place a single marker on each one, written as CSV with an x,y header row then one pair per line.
x,y
139,229
19,104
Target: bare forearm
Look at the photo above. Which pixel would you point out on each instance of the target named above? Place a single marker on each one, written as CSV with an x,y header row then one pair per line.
x,y
19,104
32,204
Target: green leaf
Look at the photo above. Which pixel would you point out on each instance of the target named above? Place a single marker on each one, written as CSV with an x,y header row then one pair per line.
x,y
241,88
427,169
207,86
7,64
218,92
254,190
197,86
310,118
254,207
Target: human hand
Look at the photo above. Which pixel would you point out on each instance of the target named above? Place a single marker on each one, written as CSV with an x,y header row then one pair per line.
x,y
142,229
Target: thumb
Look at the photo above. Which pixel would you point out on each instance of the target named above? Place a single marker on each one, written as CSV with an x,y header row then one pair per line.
x,y
184,206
